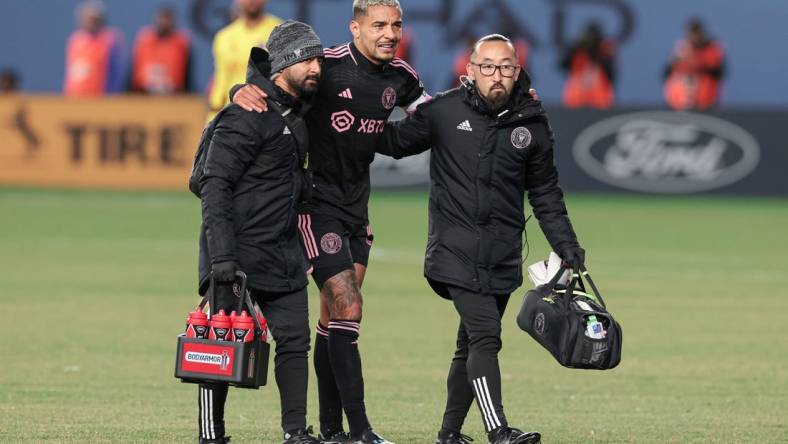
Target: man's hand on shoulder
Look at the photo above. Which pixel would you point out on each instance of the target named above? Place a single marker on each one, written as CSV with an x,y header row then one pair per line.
x,y
251,98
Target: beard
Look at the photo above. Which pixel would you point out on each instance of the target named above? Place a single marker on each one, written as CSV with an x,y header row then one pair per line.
x,y
304,87
496,99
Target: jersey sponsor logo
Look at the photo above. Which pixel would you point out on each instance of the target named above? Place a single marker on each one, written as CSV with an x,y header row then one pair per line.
x,y
371,126
342,120
222,360
521,137
465,126
346,94
331,243
389,98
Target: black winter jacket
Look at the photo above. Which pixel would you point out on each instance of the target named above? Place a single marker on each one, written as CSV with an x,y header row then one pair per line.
x,y
252,184
481,165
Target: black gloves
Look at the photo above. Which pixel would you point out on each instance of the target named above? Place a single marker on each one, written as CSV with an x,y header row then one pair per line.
x,y
224,271
574,256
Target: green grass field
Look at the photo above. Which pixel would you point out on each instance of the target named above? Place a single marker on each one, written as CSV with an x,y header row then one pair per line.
x,y
94,288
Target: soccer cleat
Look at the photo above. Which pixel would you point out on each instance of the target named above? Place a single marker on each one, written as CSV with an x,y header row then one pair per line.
x,y
453,438
370,437
222,440
509,435
302,436
339,437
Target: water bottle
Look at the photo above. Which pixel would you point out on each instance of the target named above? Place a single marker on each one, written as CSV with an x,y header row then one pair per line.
x,y
220,327
243,328
197,324
594,328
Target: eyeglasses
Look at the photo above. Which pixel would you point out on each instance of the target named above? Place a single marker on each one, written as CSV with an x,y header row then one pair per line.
x,y
488,69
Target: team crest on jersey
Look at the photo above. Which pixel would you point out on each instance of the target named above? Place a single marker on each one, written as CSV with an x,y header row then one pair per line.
x,y
342,120
389,98
331,243
521,137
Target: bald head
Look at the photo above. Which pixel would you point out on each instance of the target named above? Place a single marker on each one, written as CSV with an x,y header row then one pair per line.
x,y
498,38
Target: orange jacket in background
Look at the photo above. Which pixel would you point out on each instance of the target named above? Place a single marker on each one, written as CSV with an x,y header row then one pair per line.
x,y
693,78
161,64
589,82
94,63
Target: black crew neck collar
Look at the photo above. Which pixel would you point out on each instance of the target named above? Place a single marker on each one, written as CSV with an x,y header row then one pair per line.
x,y
362,61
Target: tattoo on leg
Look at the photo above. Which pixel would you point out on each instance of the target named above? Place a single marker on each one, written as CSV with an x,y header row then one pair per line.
x,y
344,296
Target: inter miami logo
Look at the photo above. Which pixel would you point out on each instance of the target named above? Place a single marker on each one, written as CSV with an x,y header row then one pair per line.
x,y
342,120
389,98
539,323
331,243
521,137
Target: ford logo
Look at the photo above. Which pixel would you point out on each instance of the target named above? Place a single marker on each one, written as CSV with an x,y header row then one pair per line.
x,y
666,152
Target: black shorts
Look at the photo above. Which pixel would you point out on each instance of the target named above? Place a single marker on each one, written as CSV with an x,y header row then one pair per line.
x,y
333,245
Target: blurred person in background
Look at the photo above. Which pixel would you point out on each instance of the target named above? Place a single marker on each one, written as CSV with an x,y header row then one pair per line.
x,y
693,76
590,65
162,55
9,81
232,44
405,47
94,54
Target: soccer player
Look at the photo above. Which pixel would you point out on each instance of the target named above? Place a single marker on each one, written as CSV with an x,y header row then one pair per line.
x,y
232,44
252,181
362,83
491,142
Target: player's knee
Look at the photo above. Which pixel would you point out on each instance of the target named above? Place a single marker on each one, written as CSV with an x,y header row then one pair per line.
x,y
487,343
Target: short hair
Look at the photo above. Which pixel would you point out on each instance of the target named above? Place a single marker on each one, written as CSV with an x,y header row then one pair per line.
x,y
493,38
360,6
96,6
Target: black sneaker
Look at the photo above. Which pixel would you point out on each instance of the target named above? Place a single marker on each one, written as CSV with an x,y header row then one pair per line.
x,y
339,437
370,437
453,438
223,440
303,436
508,435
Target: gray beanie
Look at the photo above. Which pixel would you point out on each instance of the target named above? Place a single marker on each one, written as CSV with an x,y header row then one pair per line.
x,y
292,42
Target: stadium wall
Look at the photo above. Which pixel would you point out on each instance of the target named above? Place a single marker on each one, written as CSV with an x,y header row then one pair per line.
x,y
134,142
33,35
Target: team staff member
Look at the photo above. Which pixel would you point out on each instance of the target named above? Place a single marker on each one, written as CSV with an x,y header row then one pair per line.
x,y
693,76
490,143
362,83
253,179
232,44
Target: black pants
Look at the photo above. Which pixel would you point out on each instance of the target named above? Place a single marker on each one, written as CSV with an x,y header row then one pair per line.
x,y
288,319
474,372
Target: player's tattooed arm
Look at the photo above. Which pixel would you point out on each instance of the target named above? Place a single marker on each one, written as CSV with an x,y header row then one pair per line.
x,y
345,299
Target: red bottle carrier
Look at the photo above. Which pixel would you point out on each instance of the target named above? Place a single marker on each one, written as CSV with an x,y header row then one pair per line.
x,y
241,362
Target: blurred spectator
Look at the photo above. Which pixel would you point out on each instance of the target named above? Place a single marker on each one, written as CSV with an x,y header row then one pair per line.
x,y
405,48
9,81
232,44
94,54
590,64
162,56
693,76
464,56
